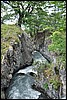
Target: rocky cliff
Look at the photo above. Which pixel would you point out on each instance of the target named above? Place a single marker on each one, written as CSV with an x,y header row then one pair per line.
x,y
19,55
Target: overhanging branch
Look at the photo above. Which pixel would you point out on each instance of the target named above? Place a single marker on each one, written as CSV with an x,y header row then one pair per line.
x,y
9,4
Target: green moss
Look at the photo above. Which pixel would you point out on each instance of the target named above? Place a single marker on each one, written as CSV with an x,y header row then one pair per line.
x,y
8,34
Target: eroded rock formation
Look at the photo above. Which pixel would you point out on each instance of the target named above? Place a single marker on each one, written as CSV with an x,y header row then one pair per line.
x,y
19,55
40,38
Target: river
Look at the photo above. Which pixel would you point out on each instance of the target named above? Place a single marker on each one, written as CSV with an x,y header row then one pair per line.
x,y
20,86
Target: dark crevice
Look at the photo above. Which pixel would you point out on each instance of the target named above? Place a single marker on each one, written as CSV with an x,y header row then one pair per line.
x,y
22,67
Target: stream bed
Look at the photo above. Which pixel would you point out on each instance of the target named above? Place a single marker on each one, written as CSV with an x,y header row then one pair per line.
x,y
20,86
21,83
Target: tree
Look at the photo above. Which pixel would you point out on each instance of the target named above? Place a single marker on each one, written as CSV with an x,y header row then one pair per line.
x,y
19,9
22,9
35,15
58,15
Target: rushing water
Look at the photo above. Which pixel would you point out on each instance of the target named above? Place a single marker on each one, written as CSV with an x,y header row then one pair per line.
x,y
20,86
38,57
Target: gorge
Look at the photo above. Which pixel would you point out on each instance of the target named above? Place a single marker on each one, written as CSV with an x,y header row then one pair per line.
x,y
18,73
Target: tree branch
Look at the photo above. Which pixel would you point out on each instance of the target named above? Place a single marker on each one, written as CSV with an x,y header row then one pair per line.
x,y
9,4
21,5
32,9
27,6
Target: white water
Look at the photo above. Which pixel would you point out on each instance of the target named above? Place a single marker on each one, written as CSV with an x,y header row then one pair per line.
x,y
20,86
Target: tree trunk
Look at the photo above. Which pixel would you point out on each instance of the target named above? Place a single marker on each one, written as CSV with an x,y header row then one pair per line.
x,y
19,21
21,15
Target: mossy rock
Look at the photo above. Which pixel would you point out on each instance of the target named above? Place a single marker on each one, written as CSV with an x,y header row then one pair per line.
x,y
8,34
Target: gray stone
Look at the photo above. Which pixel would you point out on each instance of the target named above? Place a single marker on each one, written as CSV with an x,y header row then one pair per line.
x,y
17,56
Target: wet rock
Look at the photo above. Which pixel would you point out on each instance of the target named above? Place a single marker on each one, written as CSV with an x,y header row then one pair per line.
x,y
2,94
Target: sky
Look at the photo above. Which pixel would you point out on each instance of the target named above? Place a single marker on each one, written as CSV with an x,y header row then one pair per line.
x,y
16,19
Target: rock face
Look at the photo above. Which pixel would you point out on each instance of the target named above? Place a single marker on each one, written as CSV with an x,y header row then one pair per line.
x,y
41,44
18,56
40,38
62,73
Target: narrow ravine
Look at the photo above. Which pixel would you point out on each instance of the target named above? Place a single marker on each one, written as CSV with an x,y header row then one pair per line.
x,y
20,86
22,81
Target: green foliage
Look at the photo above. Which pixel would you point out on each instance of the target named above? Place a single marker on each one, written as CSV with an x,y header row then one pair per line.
x,y
42,66
35,15
48,73
55,81
45,86
59,45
